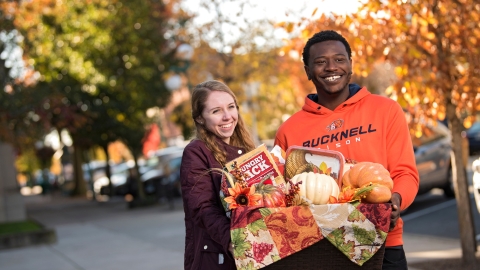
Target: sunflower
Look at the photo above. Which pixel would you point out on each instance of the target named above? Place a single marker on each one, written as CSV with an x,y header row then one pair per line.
x,y
243,196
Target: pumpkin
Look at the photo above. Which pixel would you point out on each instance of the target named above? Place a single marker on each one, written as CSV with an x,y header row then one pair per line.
x,y
364,174
273,196
316,187
349,163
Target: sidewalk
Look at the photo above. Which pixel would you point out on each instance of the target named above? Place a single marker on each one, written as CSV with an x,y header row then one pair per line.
x,y
103,236
107,235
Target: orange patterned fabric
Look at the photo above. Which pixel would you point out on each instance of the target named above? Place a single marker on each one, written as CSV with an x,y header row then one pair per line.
x,y
262,236
292,229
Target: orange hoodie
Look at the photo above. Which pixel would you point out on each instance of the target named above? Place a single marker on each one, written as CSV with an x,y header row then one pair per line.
x,y
365,127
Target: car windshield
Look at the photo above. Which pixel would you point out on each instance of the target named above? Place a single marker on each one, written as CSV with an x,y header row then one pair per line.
x,y
474,129
429,135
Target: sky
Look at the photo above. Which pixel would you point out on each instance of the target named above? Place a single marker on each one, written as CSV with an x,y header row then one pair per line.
x,y
276,10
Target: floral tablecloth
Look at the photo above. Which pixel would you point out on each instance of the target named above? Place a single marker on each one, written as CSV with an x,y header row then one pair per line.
x,y
262,236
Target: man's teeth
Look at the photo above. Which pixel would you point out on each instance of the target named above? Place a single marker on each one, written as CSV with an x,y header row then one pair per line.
x,y
333,78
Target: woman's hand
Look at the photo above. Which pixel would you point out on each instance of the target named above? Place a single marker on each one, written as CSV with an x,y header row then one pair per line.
x,y
396,201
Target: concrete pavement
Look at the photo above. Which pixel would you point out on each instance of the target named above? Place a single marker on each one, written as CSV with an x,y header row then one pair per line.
x,y
108,235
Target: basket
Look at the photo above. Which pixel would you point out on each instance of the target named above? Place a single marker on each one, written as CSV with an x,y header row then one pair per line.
x,y
294,160
323,255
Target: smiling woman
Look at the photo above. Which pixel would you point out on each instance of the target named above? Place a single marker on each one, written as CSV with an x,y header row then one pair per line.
x,y
220,115
221,136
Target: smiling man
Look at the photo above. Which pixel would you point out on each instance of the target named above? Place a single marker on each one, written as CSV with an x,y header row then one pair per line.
x,y
364,127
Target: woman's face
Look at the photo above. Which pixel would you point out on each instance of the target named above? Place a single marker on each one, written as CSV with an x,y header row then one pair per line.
x,y
220,115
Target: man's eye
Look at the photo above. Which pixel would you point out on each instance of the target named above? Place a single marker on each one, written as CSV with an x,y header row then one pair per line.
x,y
340,60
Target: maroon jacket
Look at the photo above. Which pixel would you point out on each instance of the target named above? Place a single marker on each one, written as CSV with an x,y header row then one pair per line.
x,y
207,226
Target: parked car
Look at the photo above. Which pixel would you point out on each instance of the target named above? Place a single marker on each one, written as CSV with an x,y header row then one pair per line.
x,y
164,183
432,155
153,172
473,136
160,174
161,177
152,162
119,175
476,182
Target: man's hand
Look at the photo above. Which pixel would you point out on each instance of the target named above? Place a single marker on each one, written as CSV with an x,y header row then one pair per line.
x,y
396,201
230,248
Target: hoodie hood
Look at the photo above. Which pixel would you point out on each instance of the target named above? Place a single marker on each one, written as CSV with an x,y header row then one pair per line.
x,y
356,93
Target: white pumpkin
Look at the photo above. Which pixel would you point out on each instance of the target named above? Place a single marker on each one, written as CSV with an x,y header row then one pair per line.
x,y
317,187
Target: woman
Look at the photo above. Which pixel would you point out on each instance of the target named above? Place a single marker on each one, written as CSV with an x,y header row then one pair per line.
x,y
221,136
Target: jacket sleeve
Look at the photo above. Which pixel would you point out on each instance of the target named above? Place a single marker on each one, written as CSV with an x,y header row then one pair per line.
x,y
201,197
401,157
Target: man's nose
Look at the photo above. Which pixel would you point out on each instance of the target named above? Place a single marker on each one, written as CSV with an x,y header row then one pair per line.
x,y
331,65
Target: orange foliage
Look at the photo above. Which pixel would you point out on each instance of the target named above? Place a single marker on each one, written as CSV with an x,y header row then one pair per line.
x,y
433,47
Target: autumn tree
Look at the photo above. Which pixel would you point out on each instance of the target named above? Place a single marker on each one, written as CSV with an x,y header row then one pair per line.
x,y
241,53
433,48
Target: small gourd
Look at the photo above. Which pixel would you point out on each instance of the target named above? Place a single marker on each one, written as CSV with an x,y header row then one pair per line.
x,y
317,187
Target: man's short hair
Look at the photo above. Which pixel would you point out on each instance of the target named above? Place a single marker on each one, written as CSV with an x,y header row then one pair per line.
x,y
324,36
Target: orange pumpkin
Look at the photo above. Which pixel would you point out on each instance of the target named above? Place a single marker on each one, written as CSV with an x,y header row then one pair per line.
x,y
273,196
364,174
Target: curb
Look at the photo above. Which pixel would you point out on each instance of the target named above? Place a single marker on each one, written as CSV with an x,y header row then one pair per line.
x,y
23,239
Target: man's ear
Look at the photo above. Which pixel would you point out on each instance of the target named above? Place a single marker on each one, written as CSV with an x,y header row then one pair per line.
x,y
307,71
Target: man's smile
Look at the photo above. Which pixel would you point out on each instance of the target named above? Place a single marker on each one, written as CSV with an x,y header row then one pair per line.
x,y
332,78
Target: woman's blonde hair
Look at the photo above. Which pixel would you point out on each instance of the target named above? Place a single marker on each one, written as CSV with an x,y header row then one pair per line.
x,y
240,137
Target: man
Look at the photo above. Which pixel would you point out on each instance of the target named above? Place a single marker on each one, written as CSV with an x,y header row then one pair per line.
x,y
364,127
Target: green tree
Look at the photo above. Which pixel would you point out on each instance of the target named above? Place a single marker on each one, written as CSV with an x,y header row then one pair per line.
x,y
91,52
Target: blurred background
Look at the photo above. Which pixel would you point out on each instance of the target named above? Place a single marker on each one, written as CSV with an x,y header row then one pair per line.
x,y
95,95
90,90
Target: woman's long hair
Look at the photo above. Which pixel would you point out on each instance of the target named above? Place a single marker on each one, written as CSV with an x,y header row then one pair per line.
x,y
240,137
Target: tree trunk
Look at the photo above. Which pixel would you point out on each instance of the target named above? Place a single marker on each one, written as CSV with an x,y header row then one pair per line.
x,y
62,147
465,217
108,171
80,188
141,191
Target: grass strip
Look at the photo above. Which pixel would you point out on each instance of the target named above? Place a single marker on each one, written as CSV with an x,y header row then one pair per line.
x,y
19,227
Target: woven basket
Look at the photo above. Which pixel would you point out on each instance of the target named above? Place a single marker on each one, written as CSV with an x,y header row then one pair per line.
x,y
323,255
307,167
294,160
